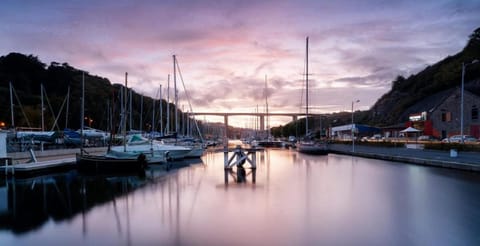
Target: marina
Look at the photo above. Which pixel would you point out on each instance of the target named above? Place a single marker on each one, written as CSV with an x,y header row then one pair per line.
x,y
58,160
250,123
330,200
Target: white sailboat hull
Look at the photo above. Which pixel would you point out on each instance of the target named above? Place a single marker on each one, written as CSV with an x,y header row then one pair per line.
x,y
314,148
154,152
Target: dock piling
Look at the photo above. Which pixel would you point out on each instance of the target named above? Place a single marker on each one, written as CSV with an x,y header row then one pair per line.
x,y
239,157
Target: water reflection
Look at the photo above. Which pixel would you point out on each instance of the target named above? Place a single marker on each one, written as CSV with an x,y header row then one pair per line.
x,y
26,204
239,174
290,199
29,203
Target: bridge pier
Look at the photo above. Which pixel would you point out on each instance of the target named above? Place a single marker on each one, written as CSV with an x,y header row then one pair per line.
x,y
225,120
262,122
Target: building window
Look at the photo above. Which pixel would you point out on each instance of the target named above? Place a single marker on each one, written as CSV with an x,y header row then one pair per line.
x,y
474,112
446,116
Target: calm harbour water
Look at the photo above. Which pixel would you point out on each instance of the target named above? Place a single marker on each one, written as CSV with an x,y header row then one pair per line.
x,y
291,199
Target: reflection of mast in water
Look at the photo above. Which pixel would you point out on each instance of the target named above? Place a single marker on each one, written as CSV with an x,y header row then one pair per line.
x,y
268,165
172,188
117,217
307,193
196,193
125,191
169,203
83,192
177,234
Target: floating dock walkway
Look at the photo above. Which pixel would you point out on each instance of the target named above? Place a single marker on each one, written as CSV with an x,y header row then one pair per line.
x,y
31,163
33,168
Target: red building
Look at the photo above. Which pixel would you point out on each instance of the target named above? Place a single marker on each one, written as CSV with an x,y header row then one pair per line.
x,y
443,120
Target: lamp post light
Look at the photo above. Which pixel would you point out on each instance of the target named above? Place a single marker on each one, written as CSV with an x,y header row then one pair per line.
x,y
353,128
461,97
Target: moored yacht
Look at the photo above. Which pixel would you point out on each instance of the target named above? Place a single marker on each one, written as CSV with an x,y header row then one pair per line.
x,y
154,151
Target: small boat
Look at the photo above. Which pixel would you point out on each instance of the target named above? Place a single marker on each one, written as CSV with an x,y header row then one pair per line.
x,y
44,136
312,147
154,151
89,132
102,163
196,148
268,143
152,154
71,137
195,152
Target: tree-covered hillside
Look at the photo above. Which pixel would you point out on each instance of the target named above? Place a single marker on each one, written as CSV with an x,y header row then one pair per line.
x,y
446,74
27,73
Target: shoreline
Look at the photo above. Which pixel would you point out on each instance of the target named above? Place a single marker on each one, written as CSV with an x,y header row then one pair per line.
x,y
466,161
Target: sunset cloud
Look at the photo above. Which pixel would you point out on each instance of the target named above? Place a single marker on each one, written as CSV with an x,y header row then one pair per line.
x,y
225,48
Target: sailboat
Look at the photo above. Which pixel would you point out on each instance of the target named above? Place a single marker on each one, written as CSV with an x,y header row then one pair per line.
x,y
268,141
31,134
129,161
154,151
308,145
196,149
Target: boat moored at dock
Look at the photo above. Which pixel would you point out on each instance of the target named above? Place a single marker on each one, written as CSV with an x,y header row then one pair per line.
x,y
103,163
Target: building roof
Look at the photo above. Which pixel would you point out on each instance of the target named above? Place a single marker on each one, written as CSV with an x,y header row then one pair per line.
x,y
360,128
431,103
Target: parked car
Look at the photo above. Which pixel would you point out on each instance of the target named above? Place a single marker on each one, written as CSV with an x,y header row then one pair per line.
x,y
458,139
292,139
376,137
427,138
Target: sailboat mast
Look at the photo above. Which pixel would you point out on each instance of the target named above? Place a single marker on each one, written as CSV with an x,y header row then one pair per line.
x,y
11,105
141,113
168,105
306,91
161,111
257,121
175,91
153,116
41,98
124,130
266,108
82,114
130,123
68,105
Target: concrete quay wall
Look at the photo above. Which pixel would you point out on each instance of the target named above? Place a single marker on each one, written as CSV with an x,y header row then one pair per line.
x,y
465,161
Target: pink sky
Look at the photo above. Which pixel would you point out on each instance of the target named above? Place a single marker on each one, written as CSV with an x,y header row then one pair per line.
x,y
225,48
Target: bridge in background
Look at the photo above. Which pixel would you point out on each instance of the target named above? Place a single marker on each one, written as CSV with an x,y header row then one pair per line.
x,y
260,115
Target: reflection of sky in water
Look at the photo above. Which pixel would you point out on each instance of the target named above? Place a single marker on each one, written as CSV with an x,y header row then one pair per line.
x,y
295,200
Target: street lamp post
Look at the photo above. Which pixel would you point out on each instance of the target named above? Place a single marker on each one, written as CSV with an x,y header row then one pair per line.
x,y
353,128
461,97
